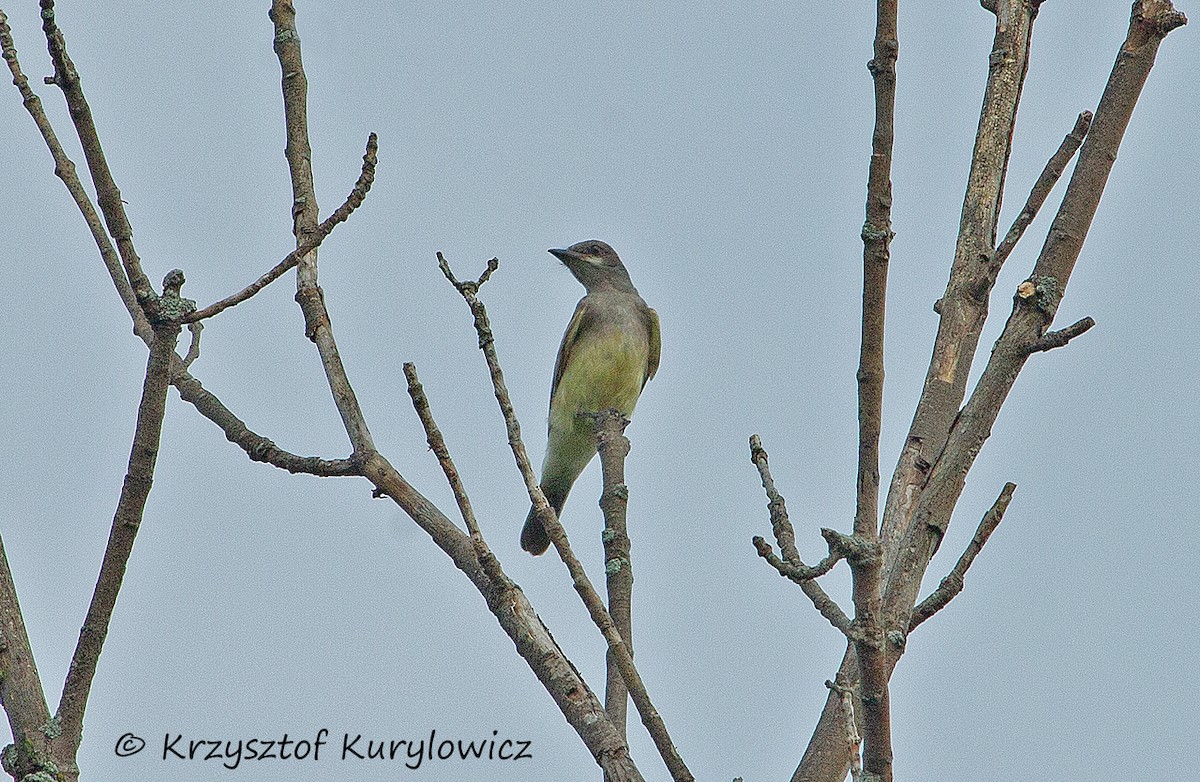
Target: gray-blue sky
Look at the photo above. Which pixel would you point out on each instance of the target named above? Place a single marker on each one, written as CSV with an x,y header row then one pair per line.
x,y
722,151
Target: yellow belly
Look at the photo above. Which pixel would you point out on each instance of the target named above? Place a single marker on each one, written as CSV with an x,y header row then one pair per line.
x,y
605,372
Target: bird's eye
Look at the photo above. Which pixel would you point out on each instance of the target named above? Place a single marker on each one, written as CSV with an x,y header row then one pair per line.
x,y
593,249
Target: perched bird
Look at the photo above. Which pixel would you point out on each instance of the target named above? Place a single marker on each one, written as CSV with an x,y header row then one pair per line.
x,y
609,351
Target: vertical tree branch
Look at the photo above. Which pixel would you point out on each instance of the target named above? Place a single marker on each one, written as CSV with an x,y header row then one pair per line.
x,y
963,309
866,569
305,224
614,500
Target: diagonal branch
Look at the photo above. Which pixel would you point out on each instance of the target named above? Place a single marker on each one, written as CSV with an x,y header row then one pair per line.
x,y
952,584
257,447
357,195
64,169
437,444
21,687
963,308
108,196
558,536
1033,307
1041,188
125,526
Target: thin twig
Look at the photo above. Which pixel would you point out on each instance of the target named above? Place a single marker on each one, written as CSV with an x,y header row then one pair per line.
x,y
1041,189
437,444
825,605
357,195
579,578
781,526
193,352
952,584
792,566
853,738
257,447
796,573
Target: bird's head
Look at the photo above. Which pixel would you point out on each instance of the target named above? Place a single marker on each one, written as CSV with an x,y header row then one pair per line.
x,y
596,265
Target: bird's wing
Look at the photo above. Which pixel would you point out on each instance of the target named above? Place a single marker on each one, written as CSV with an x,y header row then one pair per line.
x,y
655,345
582,318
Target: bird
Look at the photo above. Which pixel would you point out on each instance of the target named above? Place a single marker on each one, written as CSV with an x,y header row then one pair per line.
x,y
608,353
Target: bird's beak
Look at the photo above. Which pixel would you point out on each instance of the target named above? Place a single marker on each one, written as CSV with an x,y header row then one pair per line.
x,y
566,256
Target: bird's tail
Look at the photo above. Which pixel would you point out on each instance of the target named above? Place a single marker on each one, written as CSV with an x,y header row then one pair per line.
x,y
533,535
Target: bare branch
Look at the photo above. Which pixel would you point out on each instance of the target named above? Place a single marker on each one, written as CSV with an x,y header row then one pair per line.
x,y
613,447
792,566
108,196
853,739
21,687
796,573
1057,339
487,343
357,195
257,447
952,584
862,549
437,444
877,237
309,296
125,526
558,536
805,578
781,526
1041,189
64,169
964,305
1036,302
194,348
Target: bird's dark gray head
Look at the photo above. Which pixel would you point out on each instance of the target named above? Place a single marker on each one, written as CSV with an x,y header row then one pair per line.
x,y
596,265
